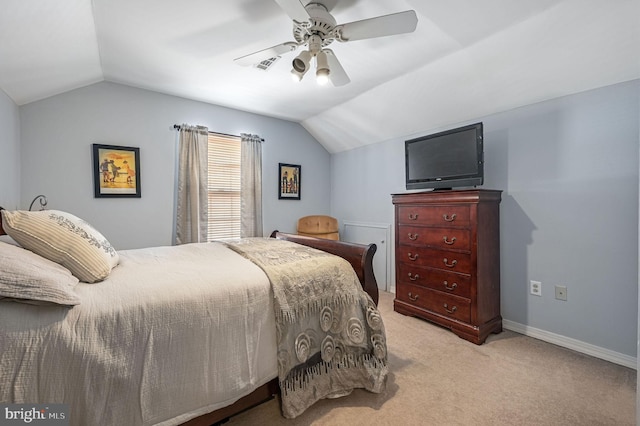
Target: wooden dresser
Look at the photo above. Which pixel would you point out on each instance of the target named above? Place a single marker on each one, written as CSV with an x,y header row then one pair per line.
x,y
448,259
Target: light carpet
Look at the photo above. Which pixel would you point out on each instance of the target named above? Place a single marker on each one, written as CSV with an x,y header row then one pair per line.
x,y
437,378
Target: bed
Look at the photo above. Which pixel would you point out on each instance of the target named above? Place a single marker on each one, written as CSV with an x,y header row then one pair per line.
x,y
187,334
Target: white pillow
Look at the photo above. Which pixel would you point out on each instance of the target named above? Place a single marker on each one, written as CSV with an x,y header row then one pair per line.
x,y
65,239
28,278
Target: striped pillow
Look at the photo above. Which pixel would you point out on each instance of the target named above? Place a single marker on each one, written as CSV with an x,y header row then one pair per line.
x,y
65,239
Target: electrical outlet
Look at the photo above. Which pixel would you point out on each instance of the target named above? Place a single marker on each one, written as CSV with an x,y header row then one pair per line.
x,y
535,287
561,292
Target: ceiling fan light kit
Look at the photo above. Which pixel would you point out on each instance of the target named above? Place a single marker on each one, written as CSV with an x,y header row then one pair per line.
x,y
323,72
301,62
315,27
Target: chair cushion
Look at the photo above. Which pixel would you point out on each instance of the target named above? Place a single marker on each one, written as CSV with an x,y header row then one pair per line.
x,y
319,226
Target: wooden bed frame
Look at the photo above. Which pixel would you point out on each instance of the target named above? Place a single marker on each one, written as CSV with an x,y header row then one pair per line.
x,y
360,257
1,229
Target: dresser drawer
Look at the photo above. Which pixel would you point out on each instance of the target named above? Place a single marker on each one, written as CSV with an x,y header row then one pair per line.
x,y
446,238
441,259
448,305
456,215
447,282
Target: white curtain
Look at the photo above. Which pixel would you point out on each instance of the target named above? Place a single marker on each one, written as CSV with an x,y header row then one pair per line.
x,y
251,186
192,206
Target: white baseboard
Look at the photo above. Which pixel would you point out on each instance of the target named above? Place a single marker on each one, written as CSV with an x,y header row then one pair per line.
x,y
569,343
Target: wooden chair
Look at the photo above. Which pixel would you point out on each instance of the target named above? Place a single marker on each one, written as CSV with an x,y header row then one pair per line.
x,y
319,226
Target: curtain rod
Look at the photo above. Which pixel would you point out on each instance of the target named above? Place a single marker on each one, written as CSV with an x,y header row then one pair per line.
x,y
177,127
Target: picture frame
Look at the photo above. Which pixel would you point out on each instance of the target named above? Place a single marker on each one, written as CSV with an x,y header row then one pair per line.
x,y
116,171
289,181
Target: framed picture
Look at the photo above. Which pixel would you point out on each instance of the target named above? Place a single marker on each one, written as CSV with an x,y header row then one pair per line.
x,y
289,181
116,171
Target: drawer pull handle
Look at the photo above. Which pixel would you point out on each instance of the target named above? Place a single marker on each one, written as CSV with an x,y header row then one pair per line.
x,y
413,216
413,237
412,297
447,264
450,287
448,218
413,277
452,310
449,241
414,256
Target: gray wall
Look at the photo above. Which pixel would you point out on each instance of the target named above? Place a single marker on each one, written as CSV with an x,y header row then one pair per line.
x,y
56,139
9,153
568,168
569,216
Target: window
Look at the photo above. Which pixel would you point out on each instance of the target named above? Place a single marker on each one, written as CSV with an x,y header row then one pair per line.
x,y
224,186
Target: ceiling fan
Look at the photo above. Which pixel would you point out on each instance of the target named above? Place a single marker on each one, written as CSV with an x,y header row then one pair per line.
x,y
313,26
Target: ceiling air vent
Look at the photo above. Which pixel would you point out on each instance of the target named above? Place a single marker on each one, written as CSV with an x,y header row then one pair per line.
x,y
267,63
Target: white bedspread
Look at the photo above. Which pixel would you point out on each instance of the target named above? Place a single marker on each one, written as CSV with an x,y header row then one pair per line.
x,y
174,332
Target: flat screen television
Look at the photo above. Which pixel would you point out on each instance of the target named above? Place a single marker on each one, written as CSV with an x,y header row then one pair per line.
x,y
446,160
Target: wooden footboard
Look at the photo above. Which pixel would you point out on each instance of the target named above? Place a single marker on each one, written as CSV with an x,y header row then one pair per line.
x,y
361,259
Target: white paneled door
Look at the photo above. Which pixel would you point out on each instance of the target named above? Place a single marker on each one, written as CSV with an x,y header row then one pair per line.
x,y
378,234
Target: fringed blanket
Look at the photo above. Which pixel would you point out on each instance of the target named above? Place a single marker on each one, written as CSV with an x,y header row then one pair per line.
x,y
331,338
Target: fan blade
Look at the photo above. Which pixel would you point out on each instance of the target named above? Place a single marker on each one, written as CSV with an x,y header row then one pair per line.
x,y
294,9
263,55
396,23
337,75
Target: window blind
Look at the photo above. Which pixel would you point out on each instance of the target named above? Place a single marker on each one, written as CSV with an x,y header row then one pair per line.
x,y
224,186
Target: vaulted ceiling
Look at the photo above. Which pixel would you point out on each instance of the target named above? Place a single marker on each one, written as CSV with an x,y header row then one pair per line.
x,y
466,58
